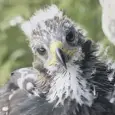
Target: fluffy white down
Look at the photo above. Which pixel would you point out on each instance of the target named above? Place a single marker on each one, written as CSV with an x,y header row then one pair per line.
x,y
40,17
64,83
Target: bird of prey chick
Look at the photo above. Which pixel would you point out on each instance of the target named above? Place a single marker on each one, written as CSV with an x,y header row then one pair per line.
x,y
67,78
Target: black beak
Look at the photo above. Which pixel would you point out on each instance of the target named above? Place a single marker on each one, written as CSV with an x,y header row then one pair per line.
x,y
61,57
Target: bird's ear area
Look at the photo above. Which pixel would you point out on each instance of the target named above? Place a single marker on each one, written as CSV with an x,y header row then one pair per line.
x,y
86,47
27,29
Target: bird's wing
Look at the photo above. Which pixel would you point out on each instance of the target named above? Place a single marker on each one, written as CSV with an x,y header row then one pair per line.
x,y
22,103
4,99
20,79
18,103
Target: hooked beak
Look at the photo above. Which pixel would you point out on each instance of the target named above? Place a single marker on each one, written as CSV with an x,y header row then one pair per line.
x,y
61,57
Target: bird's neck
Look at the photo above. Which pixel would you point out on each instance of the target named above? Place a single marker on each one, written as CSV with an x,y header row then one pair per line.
x,y
70,85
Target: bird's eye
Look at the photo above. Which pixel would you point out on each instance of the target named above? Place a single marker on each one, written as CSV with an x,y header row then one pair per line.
x,y
41,51
70,36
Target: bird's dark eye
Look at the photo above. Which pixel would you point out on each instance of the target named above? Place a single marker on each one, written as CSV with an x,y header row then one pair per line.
x,y
70,36
41,51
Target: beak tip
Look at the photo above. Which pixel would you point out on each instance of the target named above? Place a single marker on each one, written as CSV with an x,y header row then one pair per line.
x,y
61,58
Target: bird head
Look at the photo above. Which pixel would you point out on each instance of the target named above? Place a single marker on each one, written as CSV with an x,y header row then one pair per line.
x,y
54,40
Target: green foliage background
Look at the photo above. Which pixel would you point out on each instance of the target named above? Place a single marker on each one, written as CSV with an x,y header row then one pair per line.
x,y
14,50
